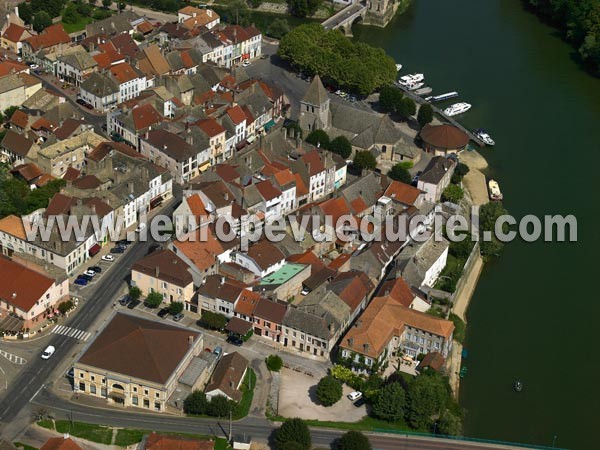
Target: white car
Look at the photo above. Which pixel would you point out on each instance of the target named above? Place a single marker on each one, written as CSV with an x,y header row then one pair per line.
x,y
89,273
108,258
48,352
353,396
33,66
245,63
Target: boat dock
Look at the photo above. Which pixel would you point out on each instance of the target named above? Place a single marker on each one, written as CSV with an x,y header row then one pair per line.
x,y
423,91
440,113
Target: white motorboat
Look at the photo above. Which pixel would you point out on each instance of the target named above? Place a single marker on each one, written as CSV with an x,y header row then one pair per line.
x,y
412,78
414,87
398,67
485,137
457,108
495,193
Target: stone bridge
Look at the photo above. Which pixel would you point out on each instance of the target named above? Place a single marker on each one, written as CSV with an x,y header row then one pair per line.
x,y
346,17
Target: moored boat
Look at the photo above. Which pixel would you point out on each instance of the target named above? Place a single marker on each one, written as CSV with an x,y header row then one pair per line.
x,y
485,137
414,87
457,108
494,190
398,67
446,96
518,386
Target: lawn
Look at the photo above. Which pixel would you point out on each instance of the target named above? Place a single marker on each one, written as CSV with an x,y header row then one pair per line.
x,y
366,424
247,389
24,446
77,26
90,432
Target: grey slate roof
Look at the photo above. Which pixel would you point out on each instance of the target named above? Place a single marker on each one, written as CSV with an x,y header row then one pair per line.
x,y
100,85
316,94
436,169
116,24
80,60
307,323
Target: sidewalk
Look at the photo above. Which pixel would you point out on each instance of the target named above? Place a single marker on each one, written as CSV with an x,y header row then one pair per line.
x,y
463,297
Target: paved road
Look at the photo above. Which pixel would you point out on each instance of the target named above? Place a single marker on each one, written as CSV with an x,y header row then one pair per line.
x,y
38,371
342,16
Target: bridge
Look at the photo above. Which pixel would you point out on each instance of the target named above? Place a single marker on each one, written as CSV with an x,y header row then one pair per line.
x,y
346,17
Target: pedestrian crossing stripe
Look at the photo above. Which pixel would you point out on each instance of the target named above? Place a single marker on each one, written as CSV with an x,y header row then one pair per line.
x,y
71,332
13,358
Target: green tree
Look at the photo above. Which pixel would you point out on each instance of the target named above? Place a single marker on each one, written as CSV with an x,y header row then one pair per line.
x,y
390,99
399,173
8,112
453,193
341,145
219,406
293,430
26,12
154,299
365,160
176,307
135,292
353,440
427,395
106,3
274,363
255,3
278,28
449,424
488,215
329,390
390,404
212,320
195,403
425,114
318,138
65,307
303,8
70,14
41,21
407,107
93,2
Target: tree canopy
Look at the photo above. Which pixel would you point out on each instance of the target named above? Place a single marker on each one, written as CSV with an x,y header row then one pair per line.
x,y
399,173
427,396
303,8
365,160
318,138
341,145
293,430
390,404
354,66
176,307
488,215
278,28
212,320
329,390
41,21
425,114
274,363
353,440
153,300
453,193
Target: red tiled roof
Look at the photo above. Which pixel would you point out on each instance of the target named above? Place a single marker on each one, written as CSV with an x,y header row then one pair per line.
x,y
308,257
301,188
358,205
339,261
71,174
19,118
402,192
123,72
164,442
8,66
144,116
267,190
247,302
211,127
313,161
29,172
145,27
22,286
13,33
51,36
60,443
398,290
42,124
284,177
236,114
60,204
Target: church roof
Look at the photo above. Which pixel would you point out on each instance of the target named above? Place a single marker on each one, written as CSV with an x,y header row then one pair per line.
x,y
316,94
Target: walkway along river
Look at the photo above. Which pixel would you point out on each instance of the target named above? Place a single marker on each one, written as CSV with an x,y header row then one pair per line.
x,y
533,315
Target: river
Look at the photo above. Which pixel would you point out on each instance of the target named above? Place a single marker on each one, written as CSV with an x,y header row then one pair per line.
x,y
533,314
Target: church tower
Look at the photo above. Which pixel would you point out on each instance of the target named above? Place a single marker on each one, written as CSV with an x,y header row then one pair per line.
x,y
314,108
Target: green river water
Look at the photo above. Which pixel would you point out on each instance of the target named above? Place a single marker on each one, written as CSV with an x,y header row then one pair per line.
x,y
534,315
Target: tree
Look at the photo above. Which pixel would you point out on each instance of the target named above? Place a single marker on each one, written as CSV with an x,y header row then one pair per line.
x,y
318,138
353,440
8,112
41,21
70,14
65,307
329,390
426,397
26,12
195,403
365,160
390,99
135,292
449,424
212,320
453,193
341,145
303,8
255,3
219,406
407,107
488,215
93,2
274,363
293,430
106,3
176,307
278,28
425,114
154,299
399,173
390,404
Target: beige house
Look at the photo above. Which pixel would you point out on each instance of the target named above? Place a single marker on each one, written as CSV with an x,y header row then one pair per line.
x,y
136,362
164,272
13,37
57,158
16,88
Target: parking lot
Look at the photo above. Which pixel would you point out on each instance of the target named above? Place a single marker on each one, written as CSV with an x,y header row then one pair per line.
x,y
96,261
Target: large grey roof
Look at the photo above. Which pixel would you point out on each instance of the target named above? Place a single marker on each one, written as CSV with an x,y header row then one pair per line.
x,y
307,323
316,94
436,169
100,85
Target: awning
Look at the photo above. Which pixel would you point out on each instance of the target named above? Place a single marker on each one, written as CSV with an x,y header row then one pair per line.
x,y
203,167
156,201
270,124
94,249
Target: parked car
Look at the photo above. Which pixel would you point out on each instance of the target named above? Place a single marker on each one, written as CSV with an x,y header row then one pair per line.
x,y
235,340
108,258
84,277
164,312
245,63
96,269
48,352
177,317
133,303
70,373
88,106
125,300
124,242
80,101
218,351
33,66
361,401
90,273
80,282
117,249
353,396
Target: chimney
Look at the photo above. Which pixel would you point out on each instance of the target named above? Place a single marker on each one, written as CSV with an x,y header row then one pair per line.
x,y
191,340
222,281
366,347
66,436
350,342
130,186
156,272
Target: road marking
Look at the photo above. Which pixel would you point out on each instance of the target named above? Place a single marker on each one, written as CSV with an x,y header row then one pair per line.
x,y
13,358
34,395
71,332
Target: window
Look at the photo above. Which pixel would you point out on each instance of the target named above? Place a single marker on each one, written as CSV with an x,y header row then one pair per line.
x,y
134,389
157,406
134,400
93,378
146,403
82,387
92,389
145,391
157,395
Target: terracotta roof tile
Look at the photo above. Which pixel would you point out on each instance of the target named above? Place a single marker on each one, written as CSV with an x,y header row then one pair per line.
x,y
60,443
228,375
71,173
123,72
20,119
51,36
267,190
168,442
165,265
236,114
13,33
29,171
22,286
402,192
211,127
247,302
144,116
13,225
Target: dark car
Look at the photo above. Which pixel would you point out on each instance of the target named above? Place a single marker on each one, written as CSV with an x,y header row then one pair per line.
x,y
125,300
358,403
96,269
88,106
124,242
133,303
164,312
85,277
80,101
118,249
81,282
235,340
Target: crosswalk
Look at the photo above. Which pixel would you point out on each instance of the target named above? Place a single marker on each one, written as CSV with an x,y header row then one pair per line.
x,y
72,332
13,358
